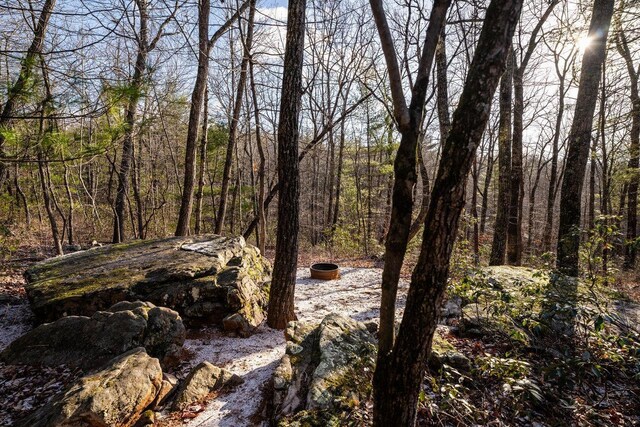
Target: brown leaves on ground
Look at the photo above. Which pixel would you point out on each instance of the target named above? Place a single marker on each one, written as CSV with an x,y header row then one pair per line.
x,y
26,388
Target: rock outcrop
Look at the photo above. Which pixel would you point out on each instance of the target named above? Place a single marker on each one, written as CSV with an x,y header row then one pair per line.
x,y
325,368
115,396
204,278
89,342
202,380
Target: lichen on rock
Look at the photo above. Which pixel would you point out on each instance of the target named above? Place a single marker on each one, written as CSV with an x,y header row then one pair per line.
x,y
204,278
325,373
89,342
115,396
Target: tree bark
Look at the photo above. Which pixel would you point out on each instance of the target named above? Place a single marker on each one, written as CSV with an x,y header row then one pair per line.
x,y
499,245
408,119
132,106
580,138
283,282
202,164
398,375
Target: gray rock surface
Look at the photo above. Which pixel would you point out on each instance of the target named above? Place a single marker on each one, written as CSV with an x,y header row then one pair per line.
x,y
204,278
323,365
205,378
89,342
115,396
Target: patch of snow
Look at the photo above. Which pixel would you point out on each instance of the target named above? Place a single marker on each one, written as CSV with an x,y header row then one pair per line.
x,y
356,294
15,320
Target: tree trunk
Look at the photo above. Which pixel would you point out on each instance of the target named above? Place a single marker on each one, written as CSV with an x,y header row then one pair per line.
x,y
579,139
444,120
399,375
202,164
499,244
514,239
283,282
514,228
19,88
262,225
486,185
336,210
235,119
22,196
634,149
197,96
409,121
132,106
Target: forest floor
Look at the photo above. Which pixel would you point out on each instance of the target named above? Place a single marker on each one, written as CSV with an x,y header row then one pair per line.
x,y
509,383
356,294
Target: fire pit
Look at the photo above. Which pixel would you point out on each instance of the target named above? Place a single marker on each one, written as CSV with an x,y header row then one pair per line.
x,y
325,271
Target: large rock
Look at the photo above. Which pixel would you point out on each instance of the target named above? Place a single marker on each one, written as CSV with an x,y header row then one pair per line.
x,y
325,367
202,380
116,396
89,342
204,278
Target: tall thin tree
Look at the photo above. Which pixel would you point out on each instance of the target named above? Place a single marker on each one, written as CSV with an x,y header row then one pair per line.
x,y
283,281
580,139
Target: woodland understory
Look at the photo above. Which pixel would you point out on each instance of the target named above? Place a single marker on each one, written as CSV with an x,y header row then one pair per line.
x,y
429,139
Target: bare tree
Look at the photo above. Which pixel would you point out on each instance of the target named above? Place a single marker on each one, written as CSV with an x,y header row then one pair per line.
x,y
634,147
399,374
204,48
408,120
580,139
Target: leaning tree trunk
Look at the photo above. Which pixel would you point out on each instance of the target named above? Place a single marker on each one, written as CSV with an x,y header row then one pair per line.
x,y
499,245
19,88
281,293
408,120
580,139
399,375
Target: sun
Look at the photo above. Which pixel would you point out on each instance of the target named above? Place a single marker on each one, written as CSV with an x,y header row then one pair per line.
x,y
583,43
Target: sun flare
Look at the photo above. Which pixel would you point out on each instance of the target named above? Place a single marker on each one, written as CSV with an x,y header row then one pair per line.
x,y
583,43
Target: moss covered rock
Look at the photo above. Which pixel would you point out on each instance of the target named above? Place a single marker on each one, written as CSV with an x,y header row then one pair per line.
x,y
89,342
115,396
325,374
204,278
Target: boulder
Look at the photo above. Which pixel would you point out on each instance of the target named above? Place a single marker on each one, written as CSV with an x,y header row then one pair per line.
x,y
115,396
205,378
204,278
342,342
89,342
169,386
325,367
